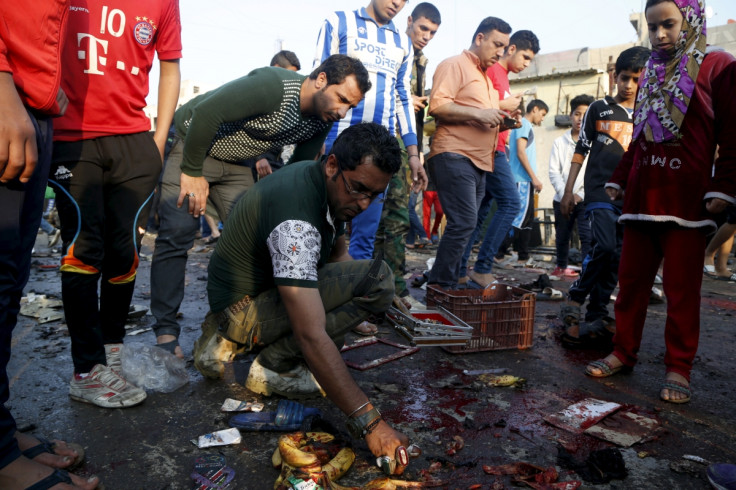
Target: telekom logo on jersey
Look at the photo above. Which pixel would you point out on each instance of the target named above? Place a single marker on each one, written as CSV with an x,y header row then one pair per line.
x,y
112,23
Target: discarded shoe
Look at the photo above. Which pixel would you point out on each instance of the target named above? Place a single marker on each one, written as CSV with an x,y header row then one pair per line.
x,y
722,476
570,314
106,389
296,383
595,334
288,417
550,294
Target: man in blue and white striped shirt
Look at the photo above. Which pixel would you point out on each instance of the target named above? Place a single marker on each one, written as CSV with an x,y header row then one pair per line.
x,y
369,35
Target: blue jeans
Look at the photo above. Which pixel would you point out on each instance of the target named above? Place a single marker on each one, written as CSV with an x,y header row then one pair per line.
x,y
363,230
415,225
22,206
500,185
460,186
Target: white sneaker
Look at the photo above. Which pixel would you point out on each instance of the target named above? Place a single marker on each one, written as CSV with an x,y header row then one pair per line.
x,y
296,383
104,388
113,354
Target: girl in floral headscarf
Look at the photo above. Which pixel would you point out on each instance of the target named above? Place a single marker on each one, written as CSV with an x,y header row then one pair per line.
x,y
685,109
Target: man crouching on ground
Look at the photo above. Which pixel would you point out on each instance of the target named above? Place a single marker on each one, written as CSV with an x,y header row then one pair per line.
x,y
281,280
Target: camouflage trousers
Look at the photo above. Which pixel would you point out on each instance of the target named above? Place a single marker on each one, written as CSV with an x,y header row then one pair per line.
x,y
394,225
351,291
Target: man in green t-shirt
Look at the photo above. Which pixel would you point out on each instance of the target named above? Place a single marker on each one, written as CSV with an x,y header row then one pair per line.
x,y
281,280
215,133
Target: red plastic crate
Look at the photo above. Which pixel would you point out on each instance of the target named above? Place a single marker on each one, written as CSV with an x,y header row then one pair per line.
x,y
502,316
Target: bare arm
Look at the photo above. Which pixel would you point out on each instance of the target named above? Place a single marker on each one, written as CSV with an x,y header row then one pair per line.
x,y
454,113
340,251
307,315
567,203
521,145
168,95
18,153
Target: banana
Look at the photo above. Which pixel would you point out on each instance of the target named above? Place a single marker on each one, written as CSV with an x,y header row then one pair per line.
x,y
289,445
276,459
340,464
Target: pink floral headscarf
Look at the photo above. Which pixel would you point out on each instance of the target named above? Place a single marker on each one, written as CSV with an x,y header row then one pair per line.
x,y
669,78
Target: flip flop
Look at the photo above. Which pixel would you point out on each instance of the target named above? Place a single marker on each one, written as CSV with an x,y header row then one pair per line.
x,y
46,446
288,417
709,270
731,278
550,294
210,472
58,476
680,388
606,369
169,346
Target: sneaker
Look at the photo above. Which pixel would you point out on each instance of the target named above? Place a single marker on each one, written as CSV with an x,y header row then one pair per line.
x,y
113,354
435,239
296,383
54,237
722,476
566,272
104,388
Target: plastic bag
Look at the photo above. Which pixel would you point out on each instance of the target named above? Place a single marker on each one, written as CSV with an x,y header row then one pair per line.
x,y
152,368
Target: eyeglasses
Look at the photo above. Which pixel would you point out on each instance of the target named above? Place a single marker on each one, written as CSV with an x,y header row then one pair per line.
x,y
360,196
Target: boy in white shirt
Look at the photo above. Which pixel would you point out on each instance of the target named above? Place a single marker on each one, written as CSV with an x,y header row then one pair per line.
x,y
559,168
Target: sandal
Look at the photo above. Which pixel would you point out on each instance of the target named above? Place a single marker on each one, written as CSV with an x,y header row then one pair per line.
x,y
58,476
606,369
678,387
46,446
570,314
169,346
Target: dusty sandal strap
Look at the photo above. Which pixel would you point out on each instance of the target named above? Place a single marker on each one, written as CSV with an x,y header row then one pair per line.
x,y
169,346
58,476
43,446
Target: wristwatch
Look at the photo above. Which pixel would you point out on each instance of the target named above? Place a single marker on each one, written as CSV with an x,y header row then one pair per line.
x,y
362,425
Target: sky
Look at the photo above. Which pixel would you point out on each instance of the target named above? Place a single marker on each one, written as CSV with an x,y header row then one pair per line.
x,y
225,39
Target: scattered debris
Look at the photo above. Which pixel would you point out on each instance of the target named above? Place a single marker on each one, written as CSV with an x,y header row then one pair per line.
x,y
475,372
136,311
232,405
224,437
40,307
210,471
581,415
623,428
601,466
503,380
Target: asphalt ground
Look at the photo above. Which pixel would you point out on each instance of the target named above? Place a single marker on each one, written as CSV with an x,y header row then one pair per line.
x,y
425,395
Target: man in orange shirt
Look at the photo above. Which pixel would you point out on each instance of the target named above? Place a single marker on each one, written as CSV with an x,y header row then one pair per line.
x,y
465,105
